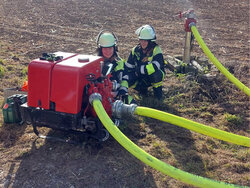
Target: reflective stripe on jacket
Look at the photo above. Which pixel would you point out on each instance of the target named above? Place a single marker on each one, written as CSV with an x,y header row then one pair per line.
x,y
147,63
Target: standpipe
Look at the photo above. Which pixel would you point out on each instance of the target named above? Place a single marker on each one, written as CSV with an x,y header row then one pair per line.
x,y
189,18
215,61
147,158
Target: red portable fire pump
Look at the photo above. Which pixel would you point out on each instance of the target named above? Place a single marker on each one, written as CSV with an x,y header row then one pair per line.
x,y
59,88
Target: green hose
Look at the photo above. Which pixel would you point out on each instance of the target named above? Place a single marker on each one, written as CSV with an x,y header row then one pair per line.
x,y
149,159
213,59
191,125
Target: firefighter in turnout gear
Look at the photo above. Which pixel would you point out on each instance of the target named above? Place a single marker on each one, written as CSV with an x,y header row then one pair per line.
x,y
107,48
145,65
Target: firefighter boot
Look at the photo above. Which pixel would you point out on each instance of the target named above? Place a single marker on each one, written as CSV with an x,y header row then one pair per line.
x,y
158,92
143,91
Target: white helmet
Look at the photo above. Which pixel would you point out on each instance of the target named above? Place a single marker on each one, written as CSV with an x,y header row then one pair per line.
x,y
106,39
146,32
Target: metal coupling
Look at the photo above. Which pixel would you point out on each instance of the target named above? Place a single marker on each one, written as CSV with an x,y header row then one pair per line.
x,y
191,24
94,96
120,109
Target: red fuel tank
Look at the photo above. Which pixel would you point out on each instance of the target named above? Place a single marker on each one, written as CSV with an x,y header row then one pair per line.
x,y
39,80
69,77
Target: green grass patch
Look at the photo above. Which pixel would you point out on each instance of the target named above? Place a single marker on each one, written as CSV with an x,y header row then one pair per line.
x,y
176,98
207,115
2,62
1,71
25,71
234,121
243,154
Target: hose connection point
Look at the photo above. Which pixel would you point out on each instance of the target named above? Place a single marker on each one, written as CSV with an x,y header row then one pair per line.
x,y
120,109
94,96
191,24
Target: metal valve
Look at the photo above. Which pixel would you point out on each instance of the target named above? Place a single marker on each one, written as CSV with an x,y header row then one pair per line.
x,y
120,109
190,17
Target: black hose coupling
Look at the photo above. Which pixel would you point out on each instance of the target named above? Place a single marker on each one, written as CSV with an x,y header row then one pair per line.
x,y
119,109
94,96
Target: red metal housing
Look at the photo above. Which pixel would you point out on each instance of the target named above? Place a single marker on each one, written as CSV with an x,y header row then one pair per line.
x,y
69,79
187,22
60,84
39,80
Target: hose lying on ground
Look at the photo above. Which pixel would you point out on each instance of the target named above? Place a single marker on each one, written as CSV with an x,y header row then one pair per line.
x,y
214,60
149,159
194,126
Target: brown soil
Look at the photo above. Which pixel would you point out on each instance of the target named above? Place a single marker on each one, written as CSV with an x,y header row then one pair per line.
x,y
29,28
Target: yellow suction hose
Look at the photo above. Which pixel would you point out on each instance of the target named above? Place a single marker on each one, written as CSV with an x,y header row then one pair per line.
x,y
214,60
194,126
149,159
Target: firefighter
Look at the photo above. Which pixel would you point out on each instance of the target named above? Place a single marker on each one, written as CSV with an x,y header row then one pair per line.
x,y
145,64
107,48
